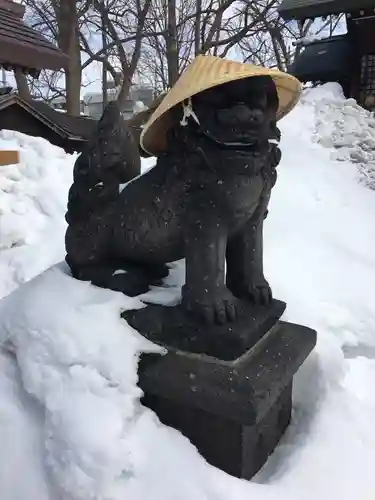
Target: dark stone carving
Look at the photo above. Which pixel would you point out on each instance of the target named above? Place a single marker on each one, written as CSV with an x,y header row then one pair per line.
x,y
236,411
205,201
169,326
226,379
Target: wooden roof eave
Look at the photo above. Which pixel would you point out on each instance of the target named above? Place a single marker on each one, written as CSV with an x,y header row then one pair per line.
x,y
16,9
24,47
15,99
37,58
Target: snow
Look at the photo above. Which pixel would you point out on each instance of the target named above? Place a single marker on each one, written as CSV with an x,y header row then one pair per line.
x,y
71,423
343,125
139,106
33,197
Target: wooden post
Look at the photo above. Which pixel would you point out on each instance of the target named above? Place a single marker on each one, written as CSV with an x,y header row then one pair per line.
x,y
9,157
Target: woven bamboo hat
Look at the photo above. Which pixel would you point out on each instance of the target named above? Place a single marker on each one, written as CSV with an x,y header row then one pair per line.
x,y
204,73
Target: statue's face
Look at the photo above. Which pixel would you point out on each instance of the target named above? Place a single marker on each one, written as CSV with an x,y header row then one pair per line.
x,y
238,113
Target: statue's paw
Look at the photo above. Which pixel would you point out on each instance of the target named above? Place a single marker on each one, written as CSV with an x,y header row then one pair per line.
x,y
218,308
259,293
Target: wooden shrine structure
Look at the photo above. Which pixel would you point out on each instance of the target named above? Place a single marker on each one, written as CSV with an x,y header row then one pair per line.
x,y
24,49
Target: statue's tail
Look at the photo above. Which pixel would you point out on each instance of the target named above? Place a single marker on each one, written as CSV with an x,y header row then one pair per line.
x,y
112,154
110,158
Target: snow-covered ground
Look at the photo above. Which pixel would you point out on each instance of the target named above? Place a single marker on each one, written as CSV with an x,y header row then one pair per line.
x,y
71,425
33,197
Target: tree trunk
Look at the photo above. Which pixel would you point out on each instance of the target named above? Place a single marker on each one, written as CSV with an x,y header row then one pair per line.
x,y
68,40
73,90
171,43
276,49
197,28
22,86
129,68
125,89
104,68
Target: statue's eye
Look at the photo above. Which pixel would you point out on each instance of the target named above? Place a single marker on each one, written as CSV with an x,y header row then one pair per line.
x,y
213,97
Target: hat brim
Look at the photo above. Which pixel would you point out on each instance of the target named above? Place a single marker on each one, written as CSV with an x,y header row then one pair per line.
x,y
137,122
204,73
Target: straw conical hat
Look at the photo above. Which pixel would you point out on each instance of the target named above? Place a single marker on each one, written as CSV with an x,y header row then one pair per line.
x,y
206,72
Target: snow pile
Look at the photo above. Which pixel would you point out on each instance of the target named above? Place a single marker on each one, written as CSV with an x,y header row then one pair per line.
x,y
33,197
70,417
343,125
85,379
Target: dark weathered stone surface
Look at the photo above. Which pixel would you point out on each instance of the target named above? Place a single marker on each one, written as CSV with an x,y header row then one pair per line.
x,y
172,327
238,449
234,412
226,380
205,201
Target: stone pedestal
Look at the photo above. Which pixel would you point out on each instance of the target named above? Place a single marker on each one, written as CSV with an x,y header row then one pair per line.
x,y
233,411
173,328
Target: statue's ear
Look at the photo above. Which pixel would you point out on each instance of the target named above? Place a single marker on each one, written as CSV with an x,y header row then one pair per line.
x,y
275,155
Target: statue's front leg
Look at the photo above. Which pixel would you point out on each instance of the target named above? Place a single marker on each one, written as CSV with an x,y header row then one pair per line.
x,y
245,277
205,293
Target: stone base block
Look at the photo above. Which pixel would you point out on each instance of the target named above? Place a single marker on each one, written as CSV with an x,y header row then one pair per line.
x,y
173,328
234,412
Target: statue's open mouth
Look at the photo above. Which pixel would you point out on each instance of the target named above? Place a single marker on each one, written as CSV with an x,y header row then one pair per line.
x,y
248,142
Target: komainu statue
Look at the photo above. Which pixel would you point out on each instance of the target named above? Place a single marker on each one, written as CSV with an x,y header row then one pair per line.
x,y
215,139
